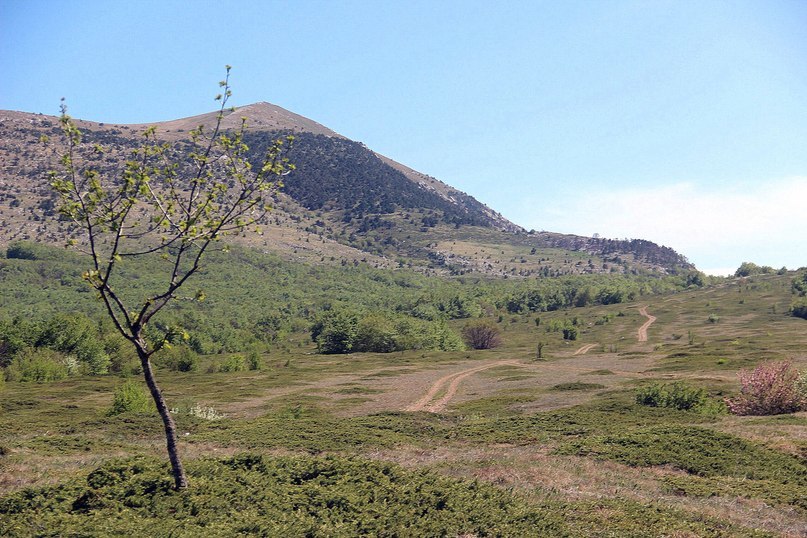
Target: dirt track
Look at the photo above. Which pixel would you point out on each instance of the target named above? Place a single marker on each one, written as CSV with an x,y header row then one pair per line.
x,y
585,349
642,335
428,402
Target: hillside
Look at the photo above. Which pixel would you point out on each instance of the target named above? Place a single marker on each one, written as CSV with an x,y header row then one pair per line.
x,y
343,202
444,442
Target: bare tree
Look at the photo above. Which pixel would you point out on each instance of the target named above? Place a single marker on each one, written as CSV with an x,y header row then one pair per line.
x,y
166,203
481,334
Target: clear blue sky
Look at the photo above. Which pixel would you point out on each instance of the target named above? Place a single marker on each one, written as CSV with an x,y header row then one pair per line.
x,y
680,122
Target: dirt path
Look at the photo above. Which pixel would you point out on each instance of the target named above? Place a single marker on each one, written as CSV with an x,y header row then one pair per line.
x,y
642,335
428,402
585,349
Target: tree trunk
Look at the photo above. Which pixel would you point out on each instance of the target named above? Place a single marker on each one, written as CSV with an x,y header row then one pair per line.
x,y
180,479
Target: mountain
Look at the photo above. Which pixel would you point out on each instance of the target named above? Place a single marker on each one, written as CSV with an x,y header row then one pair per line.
x,y
344,203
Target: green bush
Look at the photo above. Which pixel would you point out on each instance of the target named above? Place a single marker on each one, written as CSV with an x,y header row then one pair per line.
x,y
76,334
234,363
800,285
799,308
377,333
335,332
254,360
131,397
178,358
750,269
38,366
22,251
675,395
341,331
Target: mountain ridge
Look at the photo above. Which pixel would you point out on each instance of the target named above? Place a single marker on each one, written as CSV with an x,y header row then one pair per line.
x,y
376,209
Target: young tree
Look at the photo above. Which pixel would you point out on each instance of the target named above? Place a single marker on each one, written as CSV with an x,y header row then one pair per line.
x,y
165,203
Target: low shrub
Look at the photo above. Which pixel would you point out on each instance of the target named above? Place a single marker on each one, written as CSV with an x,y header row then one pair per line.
x,y
254,360
772,388
577,385
695,450
799,308
38,366
252,495
178,359
674,395
234,363
131,397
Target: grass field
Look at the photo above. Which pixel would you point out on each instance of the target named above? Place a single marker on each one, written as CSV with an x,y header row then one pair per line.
x,y
550,447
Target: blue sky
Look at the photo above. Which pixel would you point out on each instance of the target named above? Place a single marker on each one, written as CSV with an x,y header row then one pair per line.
x,y
680,122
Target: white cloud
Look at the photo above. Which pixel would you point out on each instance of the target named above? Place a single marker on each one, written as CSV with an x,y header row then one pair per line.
x,y
716,228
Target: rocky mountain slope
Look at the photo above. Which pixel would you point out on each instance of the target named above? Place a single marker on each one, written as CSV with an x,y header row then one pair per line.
x,y
345,203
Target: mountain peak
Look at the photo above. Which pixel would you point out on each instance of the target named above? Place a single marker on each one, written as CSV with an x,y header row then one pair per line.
x,y
264,116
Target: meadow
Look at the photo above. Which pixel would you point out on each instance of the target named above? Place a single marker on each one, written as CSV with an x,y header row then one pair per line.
x,y
495,442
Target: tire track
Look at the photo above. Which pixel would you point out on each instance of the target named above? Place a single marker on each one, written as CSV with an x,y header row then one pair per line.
x,y
642,334
428,402
585,349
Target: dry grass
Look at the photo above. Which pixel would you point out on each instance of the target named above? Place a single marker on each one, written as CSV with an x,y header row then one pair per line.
x,y
535,472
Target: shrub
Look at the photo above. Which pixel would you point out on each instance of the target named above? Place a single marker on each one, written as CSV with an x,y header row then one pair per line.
x,y
346,332
772,388
234,363
799,308
801,386
254,361
253,495
713,318
178,359
800,285
76,334
481,334
570,333
335,332
37,365
376,333
131,397
21,251
750,269
675,395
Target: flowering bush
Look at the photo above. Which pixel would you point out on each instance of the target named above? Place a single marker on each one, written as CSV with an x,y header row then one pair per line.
x,y
772,388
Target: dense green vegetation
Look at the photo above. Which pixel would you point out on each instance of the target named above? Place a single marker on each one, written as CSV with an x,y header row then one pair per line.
x,y
255,299
252,495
